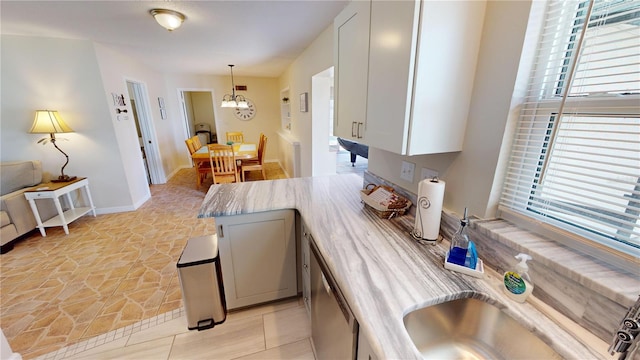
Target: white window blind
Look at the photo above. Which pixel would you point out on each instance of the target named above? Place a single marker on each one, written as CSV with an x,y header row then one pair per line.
x,y
575,158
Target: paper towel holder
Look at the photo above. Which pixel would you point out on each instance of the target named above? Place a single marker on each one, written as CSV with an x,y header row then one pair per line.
x,y
423,203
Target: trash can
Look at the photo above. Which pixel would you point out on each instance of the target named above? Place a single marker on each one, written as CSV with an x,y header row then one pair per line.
x,y
200,277
204,133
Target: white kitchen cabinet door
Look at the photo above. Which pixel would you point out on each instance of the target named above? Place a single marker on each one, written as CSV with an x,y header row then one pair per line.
x,y
422,64
258,257
351,56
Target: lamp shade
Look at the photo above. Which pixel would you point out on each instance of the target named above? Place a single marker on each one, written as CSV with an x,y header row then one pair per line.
x,y
49,122
168,19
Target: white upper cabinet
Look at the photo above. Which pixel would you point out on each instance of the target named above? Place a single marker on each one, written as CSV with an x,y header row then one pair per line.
x,y
421,67
351,56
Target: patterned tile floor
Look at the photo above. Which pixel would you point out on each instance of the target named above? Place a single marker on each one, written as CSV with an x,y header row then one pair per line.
x,y
109,272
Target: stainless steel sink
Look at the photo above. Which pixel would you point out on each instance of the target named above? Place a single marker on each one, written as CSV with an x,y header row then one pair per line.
x,y
472,329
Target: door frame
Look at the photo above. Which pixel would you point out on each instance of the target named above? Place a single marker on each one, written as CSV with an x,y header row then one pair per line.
x,y
149,138
323,161
183,110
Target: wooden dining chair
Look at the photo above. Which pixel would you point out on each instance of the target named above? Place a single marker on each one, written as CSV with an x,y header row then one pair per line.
x,y
190,146
256,159
202,168
223,164
235,136
258,165
196,142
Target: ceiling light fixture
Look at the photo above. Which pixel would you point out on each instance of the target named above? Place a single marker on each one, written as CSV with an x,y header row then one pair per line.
x,y
168,19
233,100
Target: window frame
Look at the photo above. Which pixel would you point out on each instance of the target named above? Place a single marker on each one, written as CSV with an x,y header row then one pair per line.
x,y
599,105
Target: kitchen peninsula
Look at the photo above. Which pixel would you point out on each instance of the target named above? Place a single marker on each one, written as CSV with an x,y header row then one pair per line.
x,y
382,272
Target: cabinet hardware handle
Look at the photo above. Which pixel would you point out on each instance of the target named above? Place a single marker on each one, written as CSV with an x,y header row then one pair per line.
x,y
220,232
353,129
359,135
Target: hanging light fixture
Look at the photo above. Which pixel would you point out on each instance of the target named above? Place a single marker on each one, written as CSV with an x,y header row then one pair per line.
x,y
233,100
168,19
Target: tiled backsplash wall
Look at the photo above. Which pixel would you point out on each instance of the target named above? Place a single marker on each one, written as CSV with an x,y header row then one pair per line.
x,y
588,291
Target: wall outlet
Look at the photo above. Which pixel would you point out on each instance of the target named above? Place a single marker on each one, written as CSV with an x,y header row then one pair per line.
x,y
406,173
428,174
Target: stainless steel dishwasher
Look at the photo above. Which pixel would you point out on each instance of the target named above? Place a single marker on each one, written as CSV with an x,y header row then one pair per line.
x,y
334,329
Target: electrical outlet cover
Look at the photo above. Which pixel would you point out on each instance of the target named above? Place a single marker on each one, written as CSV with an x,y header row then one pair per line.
x,y
406,173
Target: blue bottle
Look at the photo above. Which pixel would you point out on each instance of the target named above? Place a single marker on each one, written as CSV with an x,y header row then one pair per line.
x,y
459,243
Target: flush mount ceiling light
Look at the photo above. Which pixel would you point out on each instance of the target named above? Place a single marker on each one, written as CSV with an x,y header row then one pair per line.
x,y
168,19
233,100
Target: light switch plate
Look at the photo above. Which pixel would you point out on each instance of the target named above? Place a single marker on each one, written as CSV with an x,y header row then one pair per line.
x,y
428,174
406,173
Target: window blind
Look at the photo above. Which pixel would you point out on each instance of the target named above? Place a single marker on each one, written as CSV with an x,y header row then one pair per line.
x,y
575,157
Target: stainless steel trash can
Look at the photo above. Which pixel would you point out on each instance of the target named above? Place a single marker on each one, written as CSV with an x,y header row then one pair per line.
x,y
200,277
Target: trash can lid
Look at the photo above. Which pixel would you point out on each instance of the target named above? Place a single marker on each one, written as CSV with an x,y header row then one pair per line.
x,y
199,250
202,127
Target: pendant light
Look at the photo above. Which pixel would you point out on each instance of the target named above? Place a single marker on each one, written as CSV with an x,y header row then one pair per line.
x,y
233,100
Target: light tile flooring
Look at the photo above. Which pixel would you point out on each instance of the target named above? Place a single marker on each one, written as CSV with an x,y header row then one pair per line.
x,y
344,166
278,330
110,272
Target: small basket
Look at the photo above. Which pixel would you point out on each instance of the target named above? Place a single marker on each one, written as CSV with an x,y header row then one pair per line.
x,y
378,209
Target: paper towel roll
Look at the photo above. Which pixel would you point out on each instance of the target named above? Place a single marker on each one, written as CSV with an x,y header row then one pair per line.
x,y
429,209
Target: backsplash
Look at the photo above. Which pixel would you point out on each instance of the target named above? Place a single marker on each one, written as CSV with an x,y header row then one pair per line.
x,y
586,290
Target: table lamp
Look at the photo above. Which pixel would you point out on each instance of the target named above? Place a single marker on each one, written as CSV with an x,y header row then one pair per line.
x,y
50,122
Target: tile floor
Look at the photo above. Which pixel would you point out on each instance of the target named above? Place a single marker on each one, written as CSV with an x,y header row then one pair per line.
x,y
343,163
97,289
110,272
278,330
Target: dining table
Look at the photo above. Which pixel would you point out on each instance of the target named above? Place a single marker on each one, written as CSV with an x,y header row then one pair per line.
x,y
242,151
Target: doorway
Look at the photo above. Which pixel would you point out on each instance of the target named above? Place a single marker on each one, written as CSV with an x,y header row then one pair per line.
x,y
323,144
328,157
149,151
199,114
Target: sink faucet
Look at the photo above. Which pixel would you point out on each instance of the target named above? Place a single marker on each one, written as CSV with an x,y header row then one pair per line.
x,y
625,340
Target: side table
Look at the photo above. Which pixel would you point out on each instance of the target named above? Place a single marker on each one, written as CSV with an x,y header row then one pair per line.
x,y
54,191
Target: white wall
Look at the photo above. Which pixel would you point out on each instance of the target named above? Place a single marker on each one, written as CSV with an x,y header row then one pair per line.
x,y
317,57
324,160
262,91
116,69
470,175
43,73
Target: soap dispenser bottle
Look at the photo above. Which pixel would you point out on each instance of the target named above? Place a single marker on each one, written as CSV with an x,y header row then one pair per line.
x,y
517,283
460,243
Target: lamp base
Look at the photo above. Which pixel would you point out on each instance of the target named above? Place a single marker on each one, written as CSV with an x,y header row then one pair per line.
x,y
64,178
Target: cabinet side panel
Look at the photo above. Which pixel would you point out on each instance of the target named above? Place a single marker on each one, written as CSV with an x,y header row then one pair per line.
x,y
450,33
394,31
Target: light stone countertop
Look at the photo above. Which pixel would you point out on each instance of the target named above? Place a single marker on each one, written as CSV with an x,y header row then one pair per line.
x,y
382,272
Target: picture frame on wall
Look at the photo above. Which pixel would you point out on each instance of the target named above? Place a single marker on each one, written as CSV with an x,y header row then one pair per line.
x,y
304,106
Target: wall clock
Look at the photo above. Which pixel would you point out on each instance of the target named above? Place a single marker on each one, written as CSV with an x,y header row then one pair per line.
x,y
247,113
